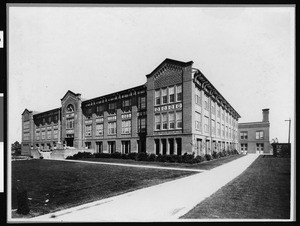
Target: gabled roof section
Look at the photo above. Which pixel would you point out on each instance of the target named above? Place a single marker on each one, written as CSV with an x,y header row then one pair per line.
x,y
26,111
72,93
172,62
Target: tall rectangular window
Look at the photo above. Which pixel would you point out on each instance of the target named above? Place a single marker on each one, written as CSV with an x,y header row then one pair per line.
x,y
213,127
70,123
37,134
126,126
226,132
43,134
112,107
126,105
213,109
100,109
223,130
157,97
171,94
198,121
99,129
206,124
89,112
164,121
259,135
244,135
49,134
55,132
171,120
179,119
157,122
219,129
164,96
142,125
206,107
179,93
88,130
198,96
26,135
218,111
112,128
142,103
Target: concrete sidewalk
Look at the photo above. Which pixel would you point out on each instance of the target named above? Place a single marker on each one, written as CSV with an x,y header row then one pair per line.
x,y
163,202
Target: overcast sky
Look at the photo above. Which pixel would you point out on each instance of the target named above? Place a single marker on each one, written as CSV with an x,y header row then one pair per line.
x,y
247,53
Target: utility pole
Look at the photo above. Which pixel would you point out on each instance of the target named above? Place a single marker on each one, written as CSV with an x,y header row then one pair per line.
x,y
289,128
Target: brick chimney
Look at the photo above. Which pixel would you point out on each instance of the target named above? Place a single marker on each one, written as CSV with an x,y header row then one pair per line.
x,y
265,115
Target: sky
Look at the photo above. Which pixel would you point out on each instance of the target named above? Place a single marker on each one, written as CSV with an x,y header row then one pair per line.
x,y
247,53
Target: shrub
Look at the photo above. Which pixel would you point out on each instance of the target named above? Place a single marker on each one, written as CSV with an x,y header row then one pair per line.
x,y
207,157
235,152
161,158
172,158
142,156
179,159
151,157
115,155
124,156
132,155
188,158
101,155
224,153
215,155
198,159
81,155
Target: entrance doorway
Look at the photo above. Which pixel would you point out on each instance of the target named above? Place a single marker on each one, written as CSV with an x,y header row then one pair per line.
x,y
164,146
99,147
259,148
178,144
126,147
70,141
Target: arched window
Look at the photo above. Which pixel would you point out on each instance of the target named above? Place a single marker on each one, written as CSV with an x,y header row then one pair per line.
x,y
70,108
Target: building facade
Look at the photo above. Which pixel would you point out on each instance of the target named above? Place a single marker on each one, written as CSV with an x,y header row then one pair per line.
x,y
176,111
254,136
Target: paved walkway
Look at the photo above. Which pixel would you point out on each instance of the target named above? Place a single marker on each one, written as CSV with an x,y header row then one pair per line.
x,y
163,202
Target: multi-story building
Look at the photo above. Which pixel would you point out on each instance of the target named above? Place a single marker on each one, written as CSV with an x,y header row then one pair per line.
x,y
176,111
254,136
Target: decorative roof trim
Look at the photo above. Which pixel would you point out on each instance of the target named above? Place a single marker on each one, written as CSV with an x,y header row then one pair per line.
x,y
171,63
201,80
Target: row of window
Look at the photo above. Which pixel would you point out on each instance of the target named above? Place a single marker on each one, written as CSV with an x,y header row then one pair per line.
x,y
259,135
112,127
198,101
259,147
167,95
48,120
43,134
111,145
112,106
170,120
198,126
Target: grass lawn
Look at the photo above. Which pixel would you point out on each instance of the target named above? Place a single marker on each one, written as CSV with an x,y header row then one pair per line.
x,y
207,165
260,192
67,184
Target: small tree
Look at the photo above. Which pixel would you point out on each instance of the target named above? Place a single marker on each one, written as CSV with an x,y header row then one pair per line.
x,y
16,148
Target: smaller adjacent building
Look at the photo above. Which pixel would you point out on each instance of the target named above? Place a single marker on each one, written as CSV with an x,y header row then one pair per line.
x,y
254,136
